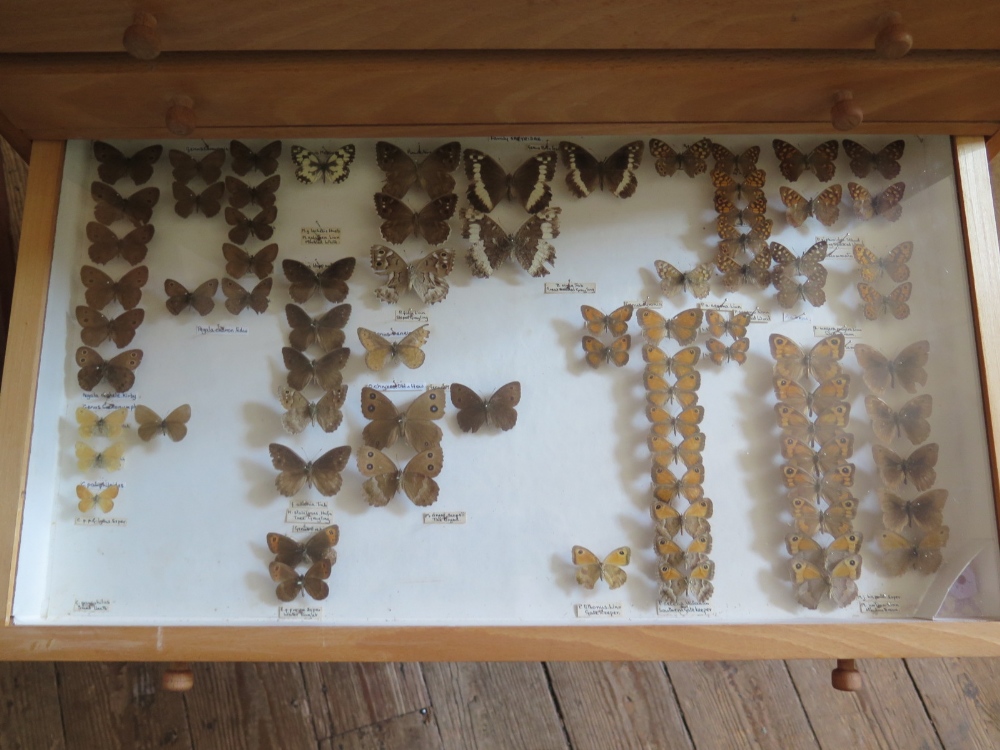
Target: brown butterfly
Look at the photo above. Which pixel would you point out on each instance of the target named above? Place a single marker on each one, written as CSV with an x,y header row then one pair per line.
x,y
683,391
527,185
735,326
597,353
821,161
694,520
730,214
813,584
791,289
826,458
827,394
208,169
114,164
105,499
208,202
109,459
294,472
884,204
669,551
688,451
695,585
923,513
808,264
680,364
300,412
238,298
615,322
262,194
290,583
894,264
884,161
118,371
246,160
101,289
924,555
836,520
320,546
496,411
731,163
911,419
239,262
179,298
381,351
433,174
492,245
685,423
331,281
325,371
105,245
416,478
682,328
691,160
673,281
415,424
174,425
326,330
802,547
243,227
430,222
822,361
830,485
754,240
918,467
825,206
735,274
667,485
110,207
586,173
425,276
727,224
91,425
719,353
827,425
876,304
590,568
326,166
881,373
733,191
96,328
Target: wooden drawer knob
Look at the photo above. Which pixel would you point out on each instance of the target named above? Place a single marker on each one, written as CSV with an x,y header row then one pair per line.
x,y
142,38
846,114
180,116
893,40
847,677
178,677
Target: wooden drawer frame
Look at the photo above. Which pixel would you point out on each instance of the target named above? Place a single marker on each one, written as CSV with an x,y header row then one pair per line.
x,y
671,641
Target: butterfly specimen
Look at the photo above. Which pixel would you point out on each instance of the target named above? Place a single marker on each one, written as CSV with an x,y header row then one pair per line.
x,y
300,412
802,547
687,451
899,554
691,160
91,425
730,163
683,391
174,425
246,160
381,351
808,264
683,362
827,425
917,468
673,281
208,202
416,478
96,328
730,214
670,552
615,322
597,353
238,298
325,371
894,265
735,326
667,485
415,424
885,161
836,520
118,371
425,276
877,304
331,281
881,373
110,206
682,328
694,520
105,245
822,362
695,585
756,272
813,584
752,241
830,486
113,164
239,262
827,394
736,352
615,174
430,222
208,169
320,546
685,423
923,513
497,411
290,583
433,174
729,190
243,227
492,245
810,289
590,568
261,194
825,206
101,289
294,472
821,161
884,204
179,298
110,459
325,166
326,330
105,499
528,185
826,458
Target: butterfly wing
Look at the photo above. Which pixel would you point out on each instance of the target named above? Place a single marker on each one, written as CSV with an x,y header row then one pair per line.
x,y
383,478
583,175
471,407
500,409
333,279
418,425
531,245
384,428
418,476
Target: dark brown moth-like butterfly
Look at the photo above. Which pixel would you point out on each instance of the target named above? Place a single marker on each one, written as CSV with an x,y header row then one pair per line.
x,y
331,281
324,166
294,472
425,276
385,479
691,160
821,161
102,290
590,568
748,190
682,328
808,264
596,352
736,352
615,174
208,202
200,300
924,556
415,424
884,204
246,160
325,371
432,174
381,351
300,412
615,322
174,425
110,206
876,304
917,468
492,245
208,169
243,227
327,329
430,222
757,271
923,513
496,411
527,185
119,371
261,194
95,328
239,262
105,245
884,161
238,298
822,362
290,582
320,546
810,289
894,265
911,419
113,164
881,373
825,206
674,281
731,163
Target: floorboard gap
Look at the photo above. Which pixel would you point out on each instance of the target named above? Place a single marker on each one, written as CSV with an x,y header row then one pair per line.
x,y
184,702
555,702
801,704
680,708
62,716
923,703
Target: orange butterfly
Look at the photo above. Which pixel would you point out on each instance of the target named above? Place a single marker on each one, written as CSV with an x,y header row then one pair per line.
x,y
684,424
683,391
616,353
876,304
688,451
615,322
680,364
682,328
719,353
668,485
894,264
825,206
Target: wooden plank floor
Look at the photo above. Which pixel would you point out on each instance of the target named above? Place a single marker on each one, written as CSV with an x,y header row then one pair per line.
x,y
907,704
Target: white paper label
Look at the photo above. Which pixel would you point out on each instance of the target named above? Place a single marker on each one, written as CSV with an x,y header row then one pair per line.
x,y
306,528
319,235
411,316
287,612
756,315
879,604
612,609
445,517
109,399
308,502
787,317
101,521
220,329
395,385
683,610
840,247
529,139
318,516
643,303
571,287
102,484
848,332
91,606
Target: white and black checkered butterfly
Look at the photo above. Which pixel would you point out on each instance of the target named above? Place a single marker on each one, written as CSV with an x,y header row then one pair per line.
x,y
325,166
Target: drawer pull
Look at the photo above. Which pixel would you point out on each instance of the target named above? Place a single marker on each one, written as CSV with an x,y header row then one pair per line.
x,y
180,116
893,40
845,114
142,38
846,676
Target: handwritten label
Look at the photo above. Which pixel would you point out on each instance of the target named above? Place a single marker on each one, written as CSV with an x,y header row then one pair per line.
x,y
411,316
306,528
848,332
445,517
317,516
319,235
108,398
286,612
571,287
612,609
794,317
395,385
203,147
840,247
102,484
879,604
683,610
544,146
756,315
102,521
643,303
223,330
95,605
515,138
308,502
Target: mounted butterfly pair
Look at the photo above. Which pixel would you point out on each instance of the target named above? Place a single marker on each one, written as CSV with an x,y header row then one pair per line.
x,y
596,322
200,300
789,269
318,550
109,459
616,173
327,329
105,245
113,165
295,472
103,499
529,245
670,552
96,328
736,328
681,585
693,521
674,281
426,276
814,584
110,206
